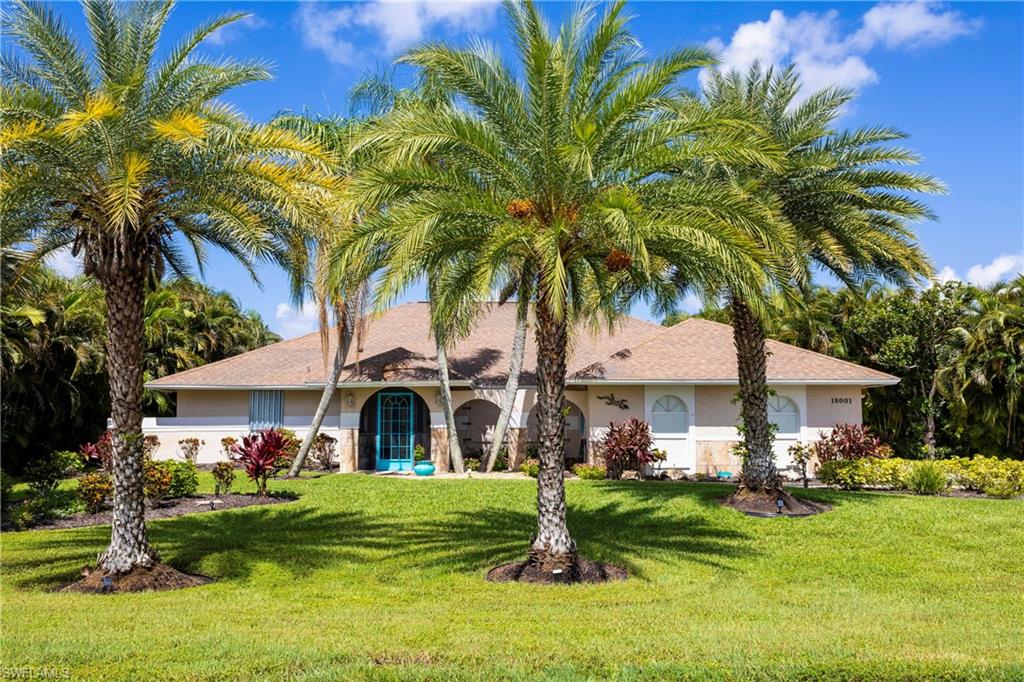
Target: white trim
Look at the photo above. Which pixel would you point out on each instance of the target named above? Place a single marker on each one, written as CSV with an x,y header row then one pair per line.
x,y
732,382
298,387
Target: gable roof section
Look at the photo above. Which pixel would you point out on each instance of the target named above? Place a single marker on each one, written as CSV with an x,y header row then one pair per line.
x,y
397,347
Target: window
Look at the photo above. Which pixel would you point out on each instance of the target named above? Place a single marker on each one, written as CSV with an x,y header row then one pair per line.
x,y
266,410
669,415
784,414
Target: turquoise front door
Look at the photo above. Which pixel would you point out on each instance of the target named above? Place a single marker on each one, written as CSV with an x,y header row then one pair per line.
x,y
394,430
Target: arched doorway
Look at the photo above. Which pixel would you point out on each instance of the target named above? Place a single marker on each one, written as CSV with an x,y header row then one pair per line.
x,y
392,423
575,427
474,422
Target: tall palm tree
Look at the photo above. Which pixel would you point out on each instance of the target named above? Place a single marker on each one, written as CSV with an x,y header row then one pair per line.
x,y
845,199
562,172
128,159
985,379
344,303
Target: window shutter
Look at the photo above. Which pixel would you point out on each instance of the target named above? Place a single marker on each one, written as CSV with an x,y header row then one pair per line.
x,y
266,410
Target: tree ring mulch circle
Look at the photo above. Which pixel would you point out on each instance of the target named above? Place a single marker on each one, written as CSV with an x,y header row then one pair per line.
x,y
158,577
525,572
765,505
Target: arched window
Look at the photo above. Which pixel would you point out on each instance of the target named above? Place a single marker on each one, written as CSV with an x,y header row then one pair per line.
x,y
784,413
669,415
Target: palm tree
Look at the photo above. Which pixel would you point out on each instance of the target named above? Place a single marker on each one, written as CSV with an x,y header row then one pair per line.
x,y
984,382
346,303
844,199
129,159
563,173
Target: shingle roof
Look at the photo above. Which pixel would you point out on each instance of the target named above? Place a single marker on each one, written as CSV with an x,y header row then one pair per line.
x,y
698,350
396,347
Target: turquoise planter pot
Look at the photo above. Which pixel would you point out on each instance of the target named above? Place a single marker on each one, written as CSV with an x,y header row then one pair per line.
x,y
423,469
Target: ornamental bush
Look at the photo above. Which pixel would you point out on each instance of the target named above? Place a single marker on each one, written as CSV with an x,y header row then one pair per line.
x,y
989,475
101,452
847,442
530,467
258,454
927,478
472,464
628,445
322,451
190,448
184,479
590,472
45,474
224,476
156,480
94,489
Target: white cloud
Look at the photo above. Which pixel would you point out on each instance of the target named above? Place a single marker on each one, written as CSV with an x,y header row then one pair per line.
x,y
389,25
814,43
1001,268
234,31
64,263
912,25
293,322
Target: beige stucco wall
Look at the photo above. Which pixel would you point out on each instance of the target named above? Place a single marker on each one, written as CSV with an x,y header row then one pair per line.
x,y
213,404
831,405
715,406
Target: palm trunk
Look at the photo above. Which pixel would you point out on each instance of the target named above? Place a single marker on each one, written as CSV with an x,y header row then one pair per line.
x,y
129,545
515,367
454,447
929,421
346,332
553,548
759,473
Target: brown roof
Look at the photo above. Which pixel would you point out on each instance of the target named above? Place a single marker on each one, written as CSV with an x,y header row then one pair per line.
x,y
396,347
698,350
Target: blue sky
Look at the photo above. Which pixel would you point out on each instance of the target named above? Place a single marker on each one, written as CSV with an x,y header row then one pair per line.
x,y
950,75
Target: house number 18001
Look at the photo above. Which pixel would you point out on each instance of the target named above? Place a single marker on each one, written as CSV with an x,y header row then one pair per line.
x,y
842,401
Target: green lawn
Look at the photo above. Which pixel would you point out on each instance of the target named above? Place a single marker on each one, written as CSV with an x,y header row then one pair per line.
x,y
383,578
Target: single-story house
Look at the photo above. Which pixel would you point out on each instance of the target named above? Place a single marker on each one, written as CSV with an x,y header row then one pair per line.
x,y
681,379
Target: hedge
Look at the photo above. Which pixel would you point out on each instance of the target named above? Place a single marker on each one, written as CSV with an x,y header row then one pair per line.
x,y
989,475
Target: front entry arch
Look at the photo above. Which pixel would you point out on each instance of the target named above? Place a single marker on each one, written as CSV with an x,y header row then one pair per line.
x,y
391,424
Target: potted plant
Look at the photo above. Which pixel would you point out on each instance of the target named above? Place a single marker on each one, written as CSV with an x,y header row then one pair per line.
x,y
423,466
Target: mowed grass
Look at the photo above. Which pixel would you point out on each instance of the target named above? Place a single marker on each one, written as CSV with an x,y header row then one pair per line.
x,y
368,577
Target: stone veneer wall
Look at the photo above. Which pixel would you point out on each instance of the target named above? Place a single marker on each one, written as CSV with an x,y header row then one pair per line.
x,y
348,449
715,456
439,449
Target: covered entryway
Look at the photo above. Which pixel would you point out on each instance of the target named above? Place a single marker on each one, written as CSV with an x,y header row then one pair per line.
x,y
575,427
475,421
391,424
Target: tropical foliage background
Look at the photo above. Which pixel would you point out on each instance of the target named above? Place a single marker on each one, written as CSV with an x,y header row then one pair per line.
x,y
958,350
54,351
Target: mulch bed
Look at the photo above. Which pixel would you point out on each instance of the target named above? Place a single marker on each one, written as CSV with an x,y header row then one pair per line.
x,y
156,578
168,509
766,505
524,572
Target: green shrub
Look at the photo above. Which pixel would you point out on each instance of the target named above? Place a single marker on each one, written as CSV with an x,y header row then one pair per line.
x,y
184,479
94,489
20,516
927,478
590,472
6,488
868,472
224,475
530,467
501,460
989,475
472,464
322,451
44,475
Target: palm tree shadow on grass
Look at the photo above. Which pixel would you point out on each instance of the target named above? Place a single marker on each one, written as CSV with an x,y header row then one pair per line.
x,y
474,541
712,494
225,546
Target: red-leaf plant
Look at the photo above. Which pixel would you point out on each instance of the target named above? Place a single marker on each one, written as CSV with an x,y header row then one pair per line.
x,y
628,445
257,454
101,452
847,442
